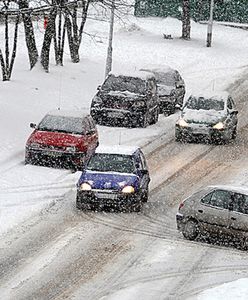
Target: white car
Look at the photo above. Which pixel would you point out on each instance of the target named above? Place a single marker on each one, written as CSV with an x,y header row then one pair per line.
x,y
210,117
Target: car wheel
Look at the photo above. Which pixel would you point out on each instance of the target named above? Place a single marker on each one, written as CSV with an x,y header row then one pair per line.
x,y
234,133
244,243
144,197
143,122
178,137
190,230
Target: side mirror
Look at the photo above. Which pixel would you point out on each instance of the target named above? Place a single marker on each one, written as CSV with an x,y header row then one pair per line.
x,y
32,125
178,106
144,172
99,87
234,112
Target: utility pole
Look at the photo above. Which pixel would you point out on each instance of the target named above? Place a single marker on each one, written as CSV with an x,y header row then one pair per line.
x,y
110,41
210,24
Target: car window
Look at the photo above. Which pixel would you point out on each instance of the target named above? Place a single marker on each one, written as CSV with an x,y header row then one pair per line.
x,y
206,199
205,104
240,203
61,124
124,83
105,162
220,198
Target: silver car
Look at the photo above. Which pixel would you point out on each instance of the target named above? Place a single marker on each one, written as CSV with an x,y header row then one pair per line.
x,y
210,117
217,210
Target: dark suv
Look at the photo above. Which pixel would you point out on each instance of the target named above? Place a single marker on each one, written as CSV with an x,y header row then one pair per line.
x,y
129,100
171,88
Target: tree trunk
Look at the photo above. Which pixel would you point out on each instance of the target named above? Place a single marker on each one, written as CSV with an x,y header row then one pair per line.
x,y
29,34
49,35
186,19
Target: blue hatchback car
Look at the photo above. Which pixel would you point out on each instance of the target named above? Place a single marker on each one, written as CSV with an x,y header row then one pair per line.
x,y
116,177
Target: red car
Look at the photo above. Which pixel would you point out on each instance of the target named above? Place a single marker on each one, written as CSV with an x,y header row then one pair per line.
x,y
62,138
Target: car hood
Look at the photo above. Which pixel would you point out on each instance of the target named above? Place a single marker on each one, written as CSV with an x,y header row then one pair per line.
x,y
201,116
54,138
164,90
109,180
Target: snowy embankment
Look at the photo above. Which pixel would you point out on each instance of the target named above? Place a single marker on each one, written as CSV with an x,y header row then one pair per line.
x,y
138,43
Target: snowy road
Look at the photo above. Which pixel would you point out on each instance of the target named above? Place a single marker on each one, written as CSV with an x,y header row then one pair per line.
x,y
63,253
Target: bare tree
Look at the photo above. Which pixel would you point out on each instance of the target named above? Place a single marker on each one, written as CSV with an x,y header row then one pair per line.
x,y
29,32
186,19
7,63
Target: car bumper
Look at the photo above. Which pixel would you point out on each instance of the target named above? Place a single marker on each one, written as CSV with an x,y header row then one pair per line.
x,y
204,133
119,115
53,157
99,199
180,221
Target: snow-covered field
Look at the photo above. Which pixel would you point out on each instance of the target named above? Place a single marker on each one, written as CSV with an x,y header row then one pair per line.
x,y
26,191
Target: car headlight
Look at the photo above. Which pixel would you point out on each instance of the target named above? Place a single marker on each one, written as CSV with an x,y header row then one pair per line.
x,y
219,126
182,123
71,149
85,186
97,100
34,145
128,189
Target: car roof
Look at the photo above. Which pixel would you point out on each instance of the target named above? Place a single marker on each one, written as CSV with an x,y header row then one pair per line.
x,y
144,75
117,149
162,70
68,113
231,188
219,95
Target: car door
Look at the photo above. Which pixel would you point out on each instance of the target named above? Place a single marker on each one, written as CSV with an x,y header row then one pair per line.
x,y
180,89
213,212
153,98
91,134
239,214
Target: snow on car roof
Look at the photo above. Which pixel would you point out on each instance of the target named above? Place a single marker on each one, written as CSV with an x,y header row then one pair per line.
x,y
68,113
136,74
162,69
219,95
116,149
232,188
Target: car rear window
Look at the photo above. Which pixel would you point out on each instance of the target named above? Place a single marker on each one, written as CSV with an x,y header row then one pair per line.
x,y
124,83
205,104
61,124
104,162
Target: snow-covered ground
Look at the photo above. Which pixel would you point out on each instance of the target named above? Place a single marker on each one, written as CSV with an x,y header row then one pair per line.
x,y
27,190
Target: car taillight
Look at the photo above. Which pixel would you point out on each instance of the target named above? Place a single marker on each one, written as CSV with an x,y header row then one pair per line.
x,y
181,205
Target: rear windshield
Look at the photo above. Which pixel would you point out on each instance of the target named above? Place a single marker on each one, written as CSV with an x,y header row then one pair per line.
x,y
104,162
205,104
61,124
124,83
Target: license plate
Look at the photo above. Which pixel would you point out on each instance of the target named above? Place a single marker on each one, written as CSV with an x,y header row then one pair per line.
x,y
115,114
52,154
106,196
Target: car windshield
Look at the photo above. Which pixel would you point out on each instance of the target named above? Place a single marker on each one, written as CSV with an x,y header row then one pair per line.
x,y
124,83
61,124
105,162
205,104
165,78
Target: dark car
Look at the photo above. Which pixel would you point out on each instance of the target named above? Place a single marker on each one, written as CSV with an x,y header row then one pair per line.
x,y
126,99
171,88
115,177
62,138
215,211
210,117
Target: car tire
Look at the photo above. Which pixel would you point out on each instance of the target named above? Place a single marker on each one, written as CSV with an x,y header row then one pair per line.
x,y
143,122
136,207
178,137
155,117
144,197
244,243
190,230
